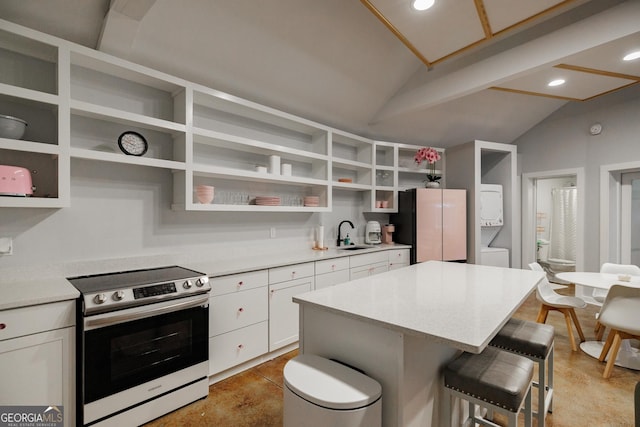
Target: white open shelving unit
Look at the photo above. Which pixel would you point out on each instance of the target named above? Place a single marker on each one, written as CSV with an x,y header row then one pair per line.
x,y
78,101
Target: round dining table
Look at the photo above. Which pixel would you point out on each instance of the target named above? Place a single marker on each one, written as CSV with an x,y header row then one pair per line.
x,y
628,356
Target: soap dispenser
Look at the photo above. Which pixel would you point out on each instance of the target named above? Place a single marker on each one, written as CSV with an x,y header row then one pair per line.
x,y
347,240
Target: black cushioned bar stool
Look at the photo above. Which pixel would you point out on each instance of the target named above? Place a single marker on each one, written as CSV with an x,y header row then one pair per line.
x,y
534,341
494,379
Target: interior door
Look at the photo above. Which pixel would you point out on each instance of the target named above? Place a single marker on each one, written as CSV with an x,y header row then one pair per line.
x,y
630,219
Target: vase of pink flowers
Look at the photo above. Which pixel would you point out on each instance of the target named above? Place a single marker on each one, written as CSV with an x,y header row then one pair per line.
x,y
431,156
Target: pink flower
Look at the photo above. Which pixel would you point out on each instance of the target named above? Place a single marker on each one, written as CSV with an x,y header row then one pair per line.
x,y
428,154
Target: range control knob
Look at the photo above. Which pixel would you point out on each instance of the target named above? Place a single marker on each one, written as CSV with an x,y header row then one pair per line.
x,y
118,295
202,281
100,298
187,284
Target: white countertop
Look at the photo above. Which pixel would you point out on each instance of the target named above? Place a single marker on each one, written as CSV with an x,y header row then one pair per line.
x,y
16,294
462,305
33,286
216,267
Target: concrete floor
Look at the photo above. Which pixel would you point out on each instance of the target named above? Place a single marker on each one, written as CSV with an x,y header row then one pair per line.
x,y
582,397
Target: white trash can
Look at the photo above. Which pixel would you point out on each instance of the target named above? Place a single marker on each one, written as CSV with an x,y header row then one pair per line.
x,y
319,392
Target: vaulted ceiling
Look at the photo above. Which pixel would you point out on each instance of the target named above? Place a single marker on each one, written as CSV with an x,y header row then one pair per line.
x,y
462,70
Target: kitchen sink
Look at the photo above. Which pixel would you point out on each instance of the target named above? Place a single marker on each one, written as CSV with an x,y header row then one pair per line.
x,y
354,247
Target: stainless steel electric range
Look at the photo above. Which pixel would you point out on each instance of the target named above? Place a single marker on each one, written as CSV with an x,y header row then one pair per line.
x,y
142,344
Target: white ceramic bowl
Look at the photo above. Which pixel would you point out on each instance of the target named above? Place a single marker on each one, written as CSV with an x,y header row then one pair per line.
x,y
12,127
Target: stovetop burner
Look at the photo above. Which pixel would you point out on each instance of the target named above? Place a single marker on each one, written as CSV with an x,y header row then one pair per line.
x,y
114,291
131,279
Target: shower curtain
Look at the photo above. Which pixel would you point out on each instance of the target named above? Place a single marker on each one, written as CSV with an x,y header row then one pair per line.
x,y
562,230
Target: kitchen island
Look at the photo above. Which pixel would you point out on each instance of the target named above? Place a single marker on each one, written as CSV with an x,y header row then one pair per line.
x,y
403,326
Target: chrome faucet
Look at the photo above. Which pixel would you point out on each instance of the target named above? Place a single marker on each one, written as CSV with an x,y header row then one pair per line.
x,y
340,234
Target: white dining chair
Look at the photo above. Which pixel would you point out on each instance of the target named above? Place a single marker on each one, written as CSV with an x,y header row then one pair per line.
x,y
621,313
553,301
601,294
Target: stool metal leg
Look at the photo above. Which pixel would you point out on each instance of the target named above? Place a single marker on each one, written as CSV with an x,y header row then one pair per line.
x,y
545,387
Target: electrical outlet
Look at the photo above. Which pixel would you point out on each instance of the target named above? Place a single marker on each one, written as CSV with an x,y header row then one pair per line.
x,y
272,232
6,246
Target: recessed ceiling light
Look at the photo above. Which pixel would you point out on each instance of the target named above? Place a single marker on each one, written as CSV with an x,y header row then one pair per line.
x,y
556,82
632,56
422,4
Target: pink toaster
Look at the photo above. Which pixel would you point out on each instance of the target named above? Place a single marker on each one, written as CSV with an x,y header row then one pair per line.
x,y
15,181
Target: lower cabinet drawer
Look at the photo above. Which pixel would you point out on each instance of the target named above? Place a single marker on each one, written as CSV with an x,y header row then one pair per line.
x,y
237,310
369,270
23,321
330,279
236,347
395,266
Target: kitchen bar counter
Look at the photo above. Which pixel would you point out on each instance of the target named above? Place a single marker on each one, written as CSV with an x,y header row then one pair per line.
x,y
401,327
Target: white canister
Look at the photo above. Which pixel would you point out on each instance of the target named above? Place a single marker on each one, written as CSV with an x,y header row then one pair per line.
x,y
320,236
274,165
261,169
286,169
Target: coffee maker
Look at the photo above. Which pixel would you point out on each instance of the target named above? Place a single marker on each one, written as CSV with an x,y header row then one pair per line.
x,y
373,233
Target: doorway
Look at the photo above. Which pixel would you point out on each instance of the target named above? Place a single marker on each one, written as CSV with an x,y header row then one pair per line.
x,y
630,219
553,220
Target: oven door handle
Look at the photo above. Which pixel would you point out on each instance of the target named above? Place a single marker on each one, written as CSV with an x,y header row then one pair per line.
x,y
145,311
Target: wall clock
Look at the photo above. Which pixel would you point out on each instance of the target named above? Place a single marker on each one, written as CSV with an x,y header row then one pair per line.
x,y
132,143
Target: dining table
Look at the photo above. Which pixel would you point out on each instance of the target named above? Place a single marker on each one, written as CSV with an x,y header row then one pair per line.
x,y
628,356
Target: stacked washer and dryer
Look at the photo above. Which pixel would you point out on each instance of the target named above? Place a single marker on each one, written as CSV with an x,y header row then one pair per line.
x,y
491,222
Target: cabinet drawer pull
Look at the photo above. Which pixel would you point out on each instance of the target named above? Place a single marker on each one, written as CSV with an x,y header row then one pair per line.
x,y
240,346
240,310
240,283
3,326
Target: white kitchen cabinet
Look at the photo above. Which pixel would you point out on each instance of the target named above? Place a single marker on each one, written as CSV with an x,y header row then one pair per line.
x,y
236,347
238,319
412,175
284,283
368,264
30,73
234,138
383,197
331,272
398,258
351,159
109,96
37,357
78,101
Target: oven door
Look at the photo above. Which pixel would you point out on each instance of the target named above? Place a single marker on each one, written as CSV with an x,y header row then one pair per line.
x,y
126,348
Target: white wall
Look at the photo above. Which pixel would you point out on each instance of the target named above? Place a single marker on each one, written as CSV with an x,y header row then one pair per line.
x,y
563,141
121,212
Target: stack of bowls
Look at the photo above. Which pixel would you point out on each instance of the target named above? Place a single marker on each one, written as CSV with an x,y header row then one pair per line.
x,y
12,127
312,201
204,193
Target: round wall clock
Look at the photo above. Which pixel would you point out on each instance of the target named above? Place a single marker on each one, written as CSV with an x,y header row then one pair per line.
x,y
132,143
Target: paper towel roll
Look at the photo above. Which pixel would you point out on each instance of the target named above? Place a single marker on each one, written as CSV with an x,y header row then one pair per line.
x,y
274,165
320,236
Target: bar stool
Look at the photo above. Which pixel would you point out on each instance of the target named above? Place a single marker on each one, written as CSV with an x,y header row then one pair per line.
x,y
535,342
494,379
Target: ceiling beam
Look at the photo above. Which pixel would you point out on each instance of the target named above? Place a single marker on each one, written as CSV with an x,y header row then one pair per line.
x,y
120,25
612,24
